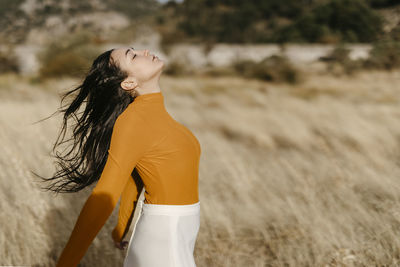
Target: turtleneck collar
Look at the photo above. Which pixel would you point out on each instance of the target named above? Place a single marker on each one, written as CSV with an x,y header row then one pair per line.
x,y
156,97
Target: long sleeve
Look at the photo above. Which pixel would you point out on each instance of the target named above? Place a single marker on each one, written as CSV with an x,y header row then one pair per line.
x,y
127,206
129,141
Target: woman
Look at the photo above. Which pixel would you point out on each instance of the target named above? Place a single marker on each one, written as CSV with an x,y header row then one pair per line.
x,y
127,141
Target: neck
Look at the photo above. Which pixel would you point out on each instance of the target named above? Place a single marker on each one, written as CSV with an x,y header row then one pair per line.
x,y
150,86
150,98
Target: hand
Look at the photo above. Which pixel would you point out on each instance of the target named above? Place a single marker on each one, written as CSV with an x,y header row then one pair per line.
x,y
121,245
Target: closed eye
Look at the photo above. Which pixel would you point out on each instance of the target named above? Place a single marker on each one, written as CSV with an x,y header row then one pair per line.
x,y
133,56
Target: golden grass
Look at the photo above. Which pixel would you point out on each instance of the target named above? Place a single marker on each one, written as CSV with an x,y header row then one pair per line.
x,y
304,175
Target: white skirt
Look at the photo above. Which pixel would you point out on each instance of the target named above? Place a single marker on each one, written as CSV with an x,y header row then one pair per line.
x,y
164,236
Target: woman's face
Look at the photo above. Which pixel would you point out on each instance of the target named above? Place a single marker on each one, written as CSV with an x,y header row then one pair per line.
x,y
141,66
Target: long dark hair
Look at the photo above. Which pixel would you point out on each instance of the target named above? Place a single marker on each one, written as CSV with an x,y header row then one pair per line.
x,y
105,100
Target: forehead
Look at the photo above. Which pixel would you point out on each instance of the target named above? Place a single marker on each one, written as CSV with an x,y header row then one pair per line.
x,y
119,53
119,57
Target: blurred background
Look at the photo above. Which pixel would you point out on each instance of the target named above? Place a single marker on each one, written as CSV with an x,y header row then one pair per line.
x,y
295,104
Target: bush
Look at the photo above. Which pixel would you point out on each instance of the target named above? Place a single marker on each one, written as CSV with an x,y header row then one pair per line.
x,y
176,68
9,6
385,54
382,3
394,34
349,20
273,68
70,56
8,63
340,57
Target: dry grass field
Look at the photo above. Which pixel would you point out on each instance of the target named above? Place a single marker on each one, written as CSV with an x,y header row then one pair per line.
x,y
290,175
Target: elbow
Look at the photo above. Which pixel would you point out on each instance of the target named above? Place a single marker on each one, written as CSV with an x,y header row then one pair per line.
x,y
109,198
106,201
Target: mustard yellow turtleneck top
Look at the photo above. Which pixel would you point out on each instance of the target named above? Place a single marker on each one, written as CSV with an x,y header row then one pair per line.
x,y
166,155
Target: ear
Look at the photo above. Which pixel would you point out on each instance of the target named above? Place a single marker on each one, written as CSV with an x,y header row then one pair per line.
x,y
129,83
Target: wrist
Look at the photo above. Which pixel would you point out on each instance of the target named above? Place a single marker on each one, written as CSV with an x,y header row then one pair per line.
x,y
116,236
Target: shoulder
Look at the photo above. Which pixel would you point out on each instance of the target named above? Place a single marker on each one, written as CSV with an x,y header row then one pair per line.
x,y
130,133
131,123
130,116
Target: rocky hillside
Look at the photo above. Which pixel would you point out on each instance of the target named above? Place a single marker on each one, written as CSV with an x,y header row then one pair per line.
x,y
29,26
34,21
31,20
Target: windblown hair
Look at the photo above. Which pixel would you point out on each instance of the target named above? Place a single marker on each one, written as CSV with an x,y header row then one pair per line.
x,y
105,100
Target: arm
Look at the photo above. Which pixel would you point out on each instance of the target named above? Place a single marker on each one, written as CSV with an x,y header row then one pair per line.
x,y
128,144
127,207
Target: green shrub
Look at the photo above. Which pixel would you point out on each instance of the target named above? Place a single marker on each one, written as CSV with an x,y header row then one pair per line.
x,y
340,53
71,55
8,63
176,69
9,6
273,68
349,20
382,3
385,54
340,56
394,34
216,71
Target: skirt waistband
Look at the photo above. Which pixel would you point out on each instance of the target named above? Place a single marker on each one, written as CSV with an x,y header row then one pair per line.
x,y
163,209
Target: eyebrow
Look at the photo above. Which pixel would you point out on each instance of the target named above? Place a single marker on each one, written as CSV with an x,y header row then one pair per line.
x,y
127,50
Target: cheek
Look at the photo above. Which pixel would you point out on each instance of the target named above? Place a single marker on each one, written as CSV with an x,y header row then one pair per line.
x,y
146,68
128,67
